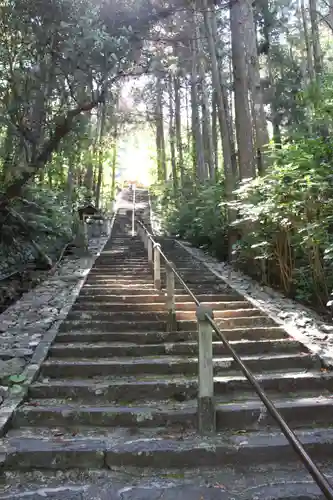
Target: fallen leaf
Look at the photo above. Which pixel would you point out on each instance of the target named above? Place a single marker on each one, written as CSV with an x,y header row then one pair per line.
x,y
17,379
220,486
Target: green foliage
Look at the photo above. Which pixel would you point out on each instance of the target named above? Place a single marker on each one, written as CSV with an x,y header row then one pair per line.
x,y
195,215
48,220
286,218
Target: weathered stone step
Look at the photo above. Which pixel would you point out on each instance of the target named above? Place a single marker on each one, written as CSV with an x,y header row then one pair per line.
x,y
182,325
108,292
56,413
120,280
104,295
172,364
155,337
203,289
281,482
120,257
121,288
121,271
110,349
139,315
153,388
158,448
138,306
299,411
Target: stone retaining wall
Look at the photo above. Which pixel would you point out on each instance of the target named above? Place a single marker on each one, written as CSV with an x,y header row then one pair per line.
x,y
24,324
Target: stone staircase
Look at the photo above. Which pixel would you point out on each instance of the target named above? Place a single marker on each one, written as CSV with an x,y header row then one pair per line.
x,y
117,390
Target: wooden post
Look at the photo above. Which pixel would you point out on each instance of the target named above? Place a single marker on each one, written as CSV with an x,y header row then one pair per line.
x,y
145,239
157,266
150,252
133,211
85,234
170,299
206,403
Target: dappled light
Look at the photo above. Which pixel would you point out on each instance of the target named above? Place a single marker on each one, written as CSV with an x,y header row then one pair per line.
x,y
166,202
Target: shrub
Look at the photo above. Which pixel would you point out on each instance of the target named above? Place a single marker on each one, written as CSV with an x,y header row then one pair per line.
x,y
287,215
196,214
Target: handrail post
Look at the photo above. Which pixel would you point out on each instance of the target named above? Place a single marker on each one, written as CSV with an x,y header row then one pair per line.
x,y
157,266
150,251
144,237
206,402
133,211
170,298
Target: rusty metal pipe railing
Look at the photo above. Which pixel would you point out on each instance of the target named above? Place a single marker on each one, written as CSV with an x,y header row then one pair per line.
x,y
205,317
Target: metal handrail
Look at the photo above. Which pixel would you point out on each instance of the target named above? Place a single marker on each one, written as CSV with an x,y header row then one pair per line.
x,y
170,265
293,440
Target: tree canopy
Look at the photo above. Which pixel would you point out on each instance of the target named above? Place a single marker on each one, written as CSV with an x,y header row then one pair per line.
x,y
238,100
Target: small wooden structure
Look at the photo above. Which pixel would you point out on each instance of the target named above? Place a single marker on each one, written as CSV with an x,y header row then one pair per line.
x,y
97,225
89,211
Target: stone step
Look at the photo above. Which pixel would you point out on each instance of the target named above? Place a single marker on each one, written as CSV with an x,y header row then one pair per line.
x,y
40,448
171,364
153,388
128,289
245,413
204,289
114,257
107,293
137,306
156,337
120,280
114,271
182,325
131,316
146,280
289,481
104,295
110,349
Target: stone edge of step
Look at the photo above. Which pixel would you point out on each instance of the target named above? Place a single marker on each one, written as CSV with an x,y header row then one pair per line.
x,y
107,450
281,483
290,328
31,371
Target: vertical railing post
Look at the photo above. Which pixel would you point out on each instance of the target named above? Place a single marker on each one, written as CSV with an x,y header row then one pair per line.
x,y
170,298
150,252
133,211
206,403
157,266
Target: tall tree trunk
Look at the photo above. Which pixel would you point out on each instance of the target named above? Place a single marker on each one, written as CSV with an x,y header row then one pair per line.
x,y
275,112
259,116
198,146
224,102
206,124
172,138
238,21
179,141
215,131
317,56
228,147
100,154
160,141
89,173
307,42
187,105
114,164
